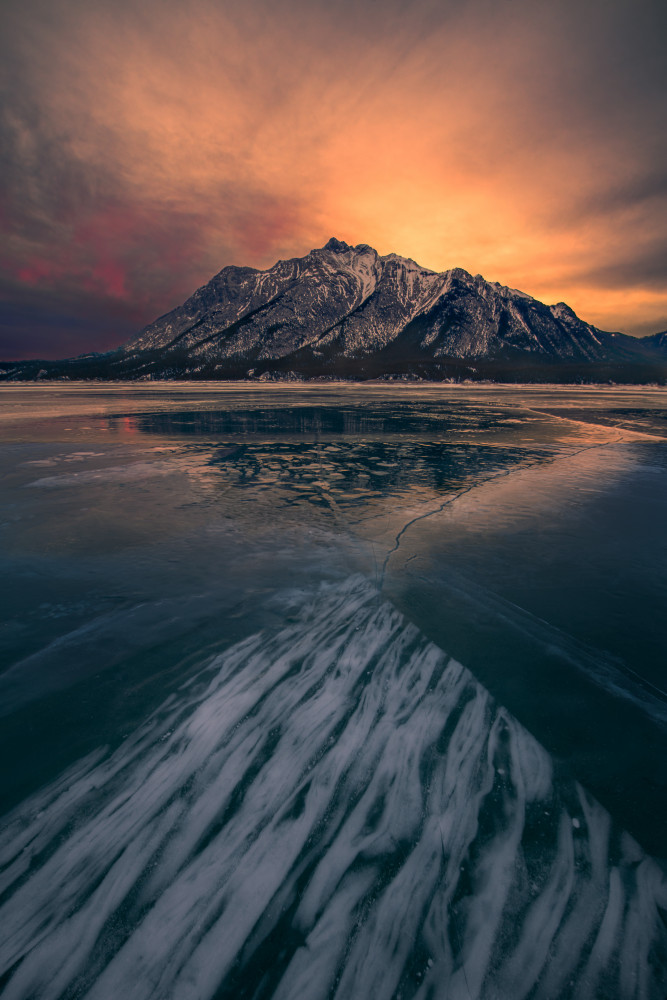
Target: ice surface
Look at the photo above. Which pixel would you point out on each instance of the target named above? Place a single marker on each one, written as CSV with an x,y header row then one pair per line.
x,y
338,809
236,771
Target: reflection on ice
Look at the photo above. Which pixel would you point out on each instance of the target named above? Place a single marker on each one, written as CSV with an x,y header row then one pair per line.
x,y
337,809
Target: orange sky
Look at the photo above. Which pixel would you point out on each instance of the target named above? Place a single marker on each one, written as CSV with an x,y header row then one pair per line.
x,y
150,144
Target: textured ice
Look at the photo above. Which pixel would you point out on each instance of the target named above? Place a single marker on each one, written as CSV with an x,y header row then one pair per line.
x,y
334,809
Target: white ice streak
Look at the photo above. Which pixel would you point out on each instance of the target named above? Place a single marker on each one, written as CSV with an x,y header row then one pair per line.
x,y
339,810
129,473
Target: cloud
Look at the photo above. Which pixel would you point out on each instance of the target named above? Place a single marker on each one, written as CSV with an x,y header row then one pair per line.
x,y
146,145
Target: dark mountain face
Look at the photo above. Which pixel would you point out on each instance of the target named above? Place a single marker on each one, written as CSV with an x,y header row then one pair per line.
x,y
658,342
346,311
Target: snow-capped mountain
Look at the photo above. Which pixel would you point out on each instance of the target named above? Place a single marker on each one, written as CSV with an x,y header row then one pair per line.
x,y
349,301
345,310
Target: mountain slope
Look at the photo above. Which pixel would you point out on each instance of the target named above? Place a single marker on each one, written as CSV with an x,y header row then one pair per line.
x,y
658,342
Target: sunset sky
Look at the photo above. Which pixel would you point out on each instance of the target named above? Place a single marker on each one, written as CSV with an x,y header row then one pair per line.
x,y
145,145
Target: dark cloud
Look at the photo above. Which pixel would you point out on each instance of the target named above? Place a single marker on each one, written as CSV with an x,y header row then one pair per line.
x,y
53,335
642,266
146,144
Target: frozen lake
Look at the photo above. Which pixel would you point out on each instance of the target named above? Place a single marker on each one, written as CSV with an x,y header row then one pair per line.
x,y
333,691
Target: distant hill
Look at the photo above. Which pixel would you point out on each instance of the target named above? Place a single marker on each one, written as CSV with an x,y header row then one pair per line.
x,y
346,312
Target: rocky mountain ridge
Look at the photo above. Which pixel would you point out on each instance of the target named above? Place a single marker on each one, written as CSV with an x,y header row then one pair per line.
x,y
346,311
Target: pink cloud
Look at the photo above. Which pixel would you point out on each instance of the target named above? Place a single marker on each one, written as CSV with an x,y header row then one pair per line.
x,y
109,278
36,272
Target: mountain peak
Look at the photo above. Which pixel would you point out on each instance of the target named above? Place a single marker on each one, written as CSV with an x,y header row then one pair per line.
x,y
340,246
562,309
337,246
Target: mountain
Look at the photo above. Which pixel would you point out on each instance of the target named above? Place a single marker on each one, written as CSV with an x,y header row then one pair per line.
x,y
345,311
658,341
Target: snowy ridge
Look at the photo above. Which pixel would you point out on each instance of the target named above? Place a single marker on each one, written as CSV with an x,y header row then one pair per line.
x,y
342,301
334,810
